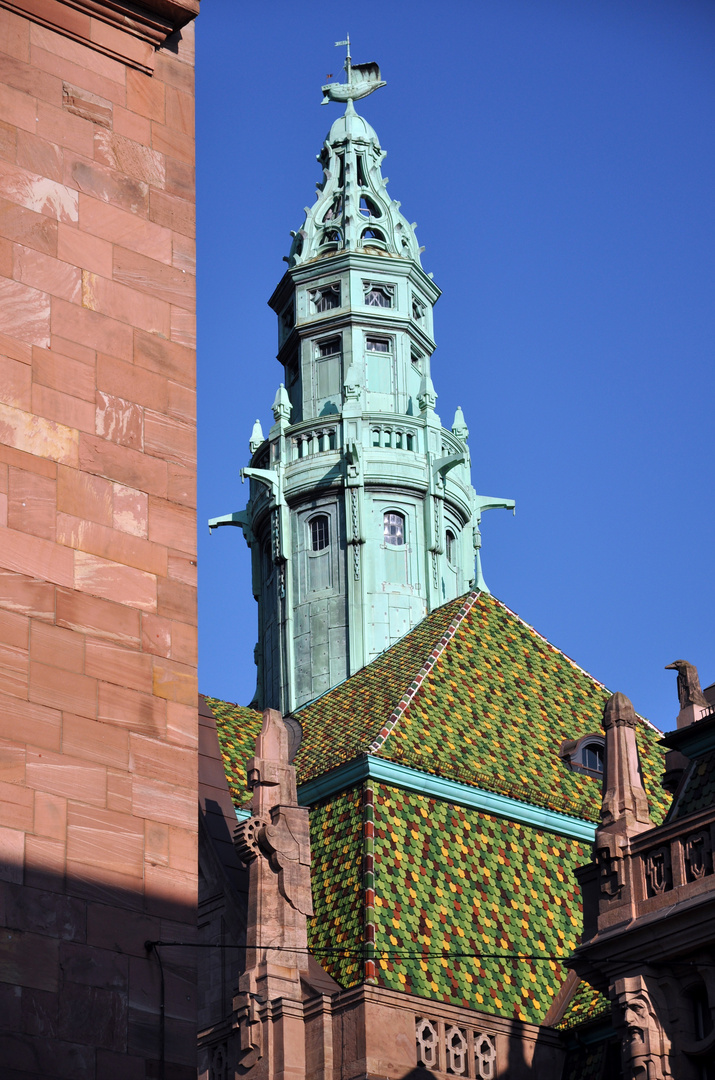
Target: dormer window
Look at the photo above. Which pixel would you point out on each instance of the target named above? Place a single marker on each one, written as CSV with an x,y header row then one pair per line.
x,y
327,298
592,757
394,529
584,755
379,295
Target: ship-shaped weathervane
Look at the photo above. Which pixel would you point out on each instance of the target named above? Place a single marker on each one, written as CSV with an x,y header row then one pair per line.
x,y
362,80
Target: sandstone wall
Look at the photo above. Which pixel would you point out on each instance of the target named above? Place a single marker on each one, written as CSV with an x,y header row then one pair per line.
x,y
98,702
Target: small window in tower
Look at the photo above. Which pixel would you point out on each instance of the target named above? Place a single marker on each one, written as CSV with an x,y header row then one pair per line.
x,y
360,172
373,234
332,236
288,318
376,344
418,310
368,208
328,298
394,529
378,296
319,532
450,546
416,358
329,347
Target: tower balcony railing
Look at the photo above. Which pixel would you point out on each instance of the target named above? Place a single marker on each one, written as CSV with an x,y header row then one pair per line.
x,y
400,433
311,438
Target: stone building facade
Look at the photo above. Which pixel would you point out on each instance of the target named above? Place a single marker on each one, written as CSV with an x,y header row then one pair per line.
x,y
649,895
98,708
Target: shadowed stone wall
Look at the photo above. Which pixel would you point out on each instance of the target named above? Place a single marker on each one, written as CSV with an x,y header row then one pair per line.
x,y
98,704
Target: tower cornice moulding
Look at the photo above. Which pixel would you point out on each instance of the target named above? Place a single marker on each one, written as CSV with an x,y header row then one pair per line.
x,y
129,33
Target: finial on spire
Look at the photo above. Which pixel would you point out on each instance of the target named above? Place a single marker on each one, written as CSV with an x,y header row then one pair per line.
x,y
257,437
363,79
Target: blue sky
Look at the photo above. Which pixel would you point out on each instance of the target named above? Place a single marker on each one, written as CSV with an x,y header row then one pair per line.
x,y
558,156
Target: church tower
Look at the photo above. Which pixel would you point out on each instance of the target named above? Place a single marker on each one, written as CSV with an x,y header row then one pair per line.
x,y
362,517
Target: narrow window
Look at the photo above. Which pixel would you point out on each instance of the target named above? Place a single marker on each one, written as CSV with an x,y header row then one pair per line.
x,y
329,348
328,298
373,344
450,546
394,529
319,532
288,318
592,757
360,172
418,310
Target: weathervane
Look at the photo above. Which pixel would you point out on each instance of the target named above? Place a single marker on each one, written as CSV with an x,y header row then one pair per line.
x,y
362,80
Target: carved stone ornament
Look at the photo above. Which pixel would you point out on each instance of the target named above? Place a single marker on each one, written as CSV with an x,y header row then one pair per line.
x,y
645,1048
610,871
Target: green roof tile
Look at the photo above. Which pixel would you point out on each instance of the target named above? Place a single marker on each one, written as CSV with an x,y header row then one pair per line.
x,y
585,1004
238,728
336,877
699,790
450,880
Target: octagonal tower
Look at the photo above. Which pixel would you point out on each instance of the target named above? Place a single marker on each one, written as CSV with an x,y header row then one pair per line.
x,y
362,517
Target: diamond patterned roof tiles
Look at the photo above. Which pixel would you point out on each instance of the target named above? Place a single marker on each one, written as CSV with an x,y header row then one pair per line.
x,y
449,881
476,695
699,790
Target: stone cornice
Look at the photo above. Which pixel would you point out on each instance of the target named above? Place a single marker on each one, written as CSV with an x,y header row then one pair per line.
x,y
127,32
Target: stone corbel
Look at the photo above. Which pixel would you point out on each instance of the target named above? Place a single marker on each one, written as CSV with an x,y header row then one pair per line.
x,y
248,1021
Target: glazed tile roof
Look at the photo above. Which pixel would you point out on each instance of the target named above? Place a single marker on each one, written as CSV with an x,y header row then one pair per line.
x,y
476,695
238,728
699,791
585,1004
342,723
450,881
336,875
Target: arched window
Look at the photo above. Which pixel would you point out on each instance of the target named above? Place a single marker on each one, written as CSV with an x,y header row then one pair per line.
x,y
319,532
373,234
584,755
394,529
450,546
